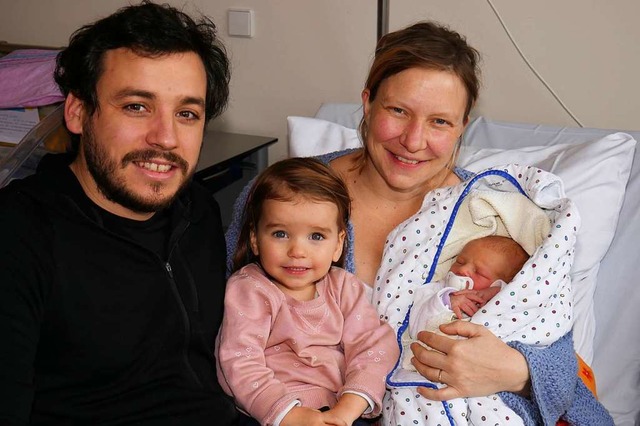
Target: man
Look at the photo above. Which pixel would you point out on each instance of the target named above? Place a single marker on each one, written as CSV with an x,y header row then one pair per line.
x,y
112,261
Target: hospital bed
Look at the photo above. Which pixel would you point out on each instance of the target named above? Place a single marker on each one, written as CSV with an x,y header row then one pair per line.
x,y
600,169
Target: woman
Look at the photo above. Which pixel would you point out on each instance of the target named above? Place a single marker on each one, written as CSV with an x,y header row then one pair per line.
x,y
417,98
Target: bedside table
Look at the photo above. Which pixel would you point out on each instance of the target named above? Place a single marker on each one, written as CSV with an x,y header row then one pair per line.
x,y
222,148
228,161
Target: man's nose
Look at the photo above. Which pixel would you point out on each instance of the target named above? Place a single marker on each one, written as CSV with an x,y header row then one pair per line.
x,y
163,132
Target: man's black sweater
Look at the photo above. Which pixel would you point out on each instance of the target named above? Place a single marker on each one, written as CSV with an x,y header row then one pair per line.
x,y
96,327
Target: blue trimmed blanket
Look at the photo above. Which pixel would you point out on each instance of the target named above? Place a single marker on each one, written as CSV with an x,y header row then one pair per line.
x,y
535,308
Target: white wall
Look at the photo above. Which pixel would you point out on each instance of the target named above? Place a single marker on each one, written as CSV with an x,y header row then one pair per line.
x,y
306,52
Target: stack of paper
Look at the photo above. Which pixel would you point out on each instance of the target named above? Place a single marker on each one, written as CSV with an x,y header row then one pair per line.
x,y
15,123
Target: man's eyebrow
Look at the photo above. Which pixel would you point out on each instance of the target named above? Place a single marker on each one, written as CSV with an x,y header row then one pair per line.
x,y
193,100
187,100
125,93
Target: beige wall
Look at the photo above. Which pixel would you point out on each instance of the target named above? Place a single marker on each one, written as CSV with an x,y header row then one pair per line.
x,y
586,50
306,52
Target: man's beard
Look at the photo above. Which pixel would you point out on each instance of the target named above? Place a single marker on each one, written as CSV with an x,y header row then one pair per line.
x,y
103,170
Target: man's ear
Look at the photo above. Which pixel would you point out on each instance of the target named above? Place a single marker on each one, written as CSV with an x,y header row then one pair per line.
x,y
74,113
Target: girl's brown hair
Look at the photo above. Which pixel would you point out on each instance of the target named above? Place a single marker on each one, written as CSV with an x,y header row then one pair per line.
x,y
283,181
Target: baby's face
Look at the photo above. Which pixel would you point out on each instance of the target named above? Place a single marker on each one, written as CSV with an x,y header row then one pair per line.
x,y
483,265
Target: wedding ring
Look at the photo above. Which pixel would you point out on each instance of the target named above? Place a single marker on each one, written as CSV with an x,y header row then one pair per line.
x,y
440,376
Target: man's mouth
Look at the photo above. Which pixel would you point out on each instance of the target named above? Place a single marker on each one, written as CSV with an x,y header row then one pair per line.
x,y
154,167
156,161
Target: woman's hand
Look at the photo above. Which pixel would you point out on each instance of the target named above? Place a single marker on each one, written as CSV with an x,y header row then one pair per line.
x,y
477,366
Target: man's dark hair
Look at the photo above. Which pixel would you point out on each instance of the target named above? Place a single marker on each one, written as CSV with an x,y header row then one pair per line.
x,y
147,29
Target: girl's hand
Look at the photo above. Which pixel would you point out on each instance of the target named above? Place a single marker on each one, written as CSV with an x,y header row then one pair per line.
x,y
477,366
332,419
349,407
304,416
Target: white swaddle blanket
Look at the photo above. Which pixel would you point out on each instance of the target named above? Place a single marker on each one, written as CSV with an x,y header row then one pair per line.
x,y
490,212
535,308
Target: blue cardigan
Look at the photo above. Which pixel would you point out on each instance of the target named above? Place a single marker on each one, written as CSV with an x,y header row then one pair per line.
x,y
556,390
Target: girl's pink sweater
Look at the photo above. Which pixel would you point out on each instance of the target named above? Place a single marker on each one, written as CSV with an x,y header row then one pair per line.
x,y
273,349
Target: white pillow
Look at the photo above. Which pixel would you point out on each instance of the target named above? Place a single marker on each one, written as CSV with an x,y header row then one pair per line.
x,y
311,136
595,176
347,115
594,173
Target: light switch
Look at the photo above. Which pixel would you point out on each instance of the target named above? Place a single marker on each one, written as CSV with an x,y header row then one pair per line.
x,y
240,22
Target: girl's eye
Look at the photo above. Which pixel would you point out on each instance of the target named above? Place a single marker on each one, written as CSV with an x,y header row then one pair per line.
x,y
280,234
317,236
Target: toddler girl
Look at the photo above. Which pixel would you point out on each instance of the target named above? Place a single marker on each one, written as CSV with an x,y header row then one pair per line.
x,y
299,334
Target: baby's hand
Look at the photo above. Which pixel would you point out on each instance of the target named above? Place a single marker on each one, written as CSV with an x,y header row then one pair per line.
x,y
487,294
469,301
466,301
